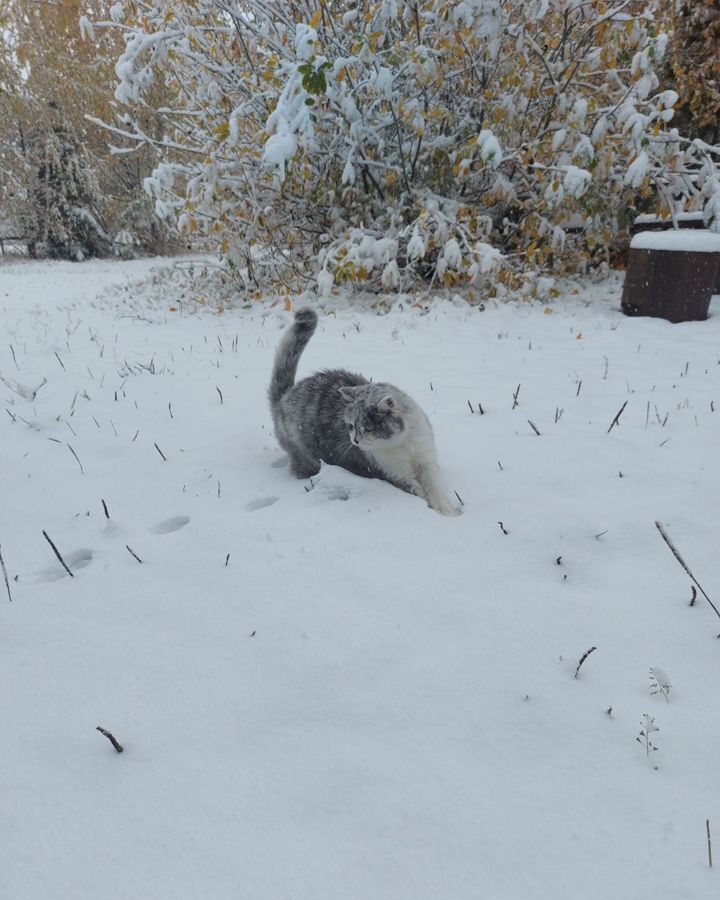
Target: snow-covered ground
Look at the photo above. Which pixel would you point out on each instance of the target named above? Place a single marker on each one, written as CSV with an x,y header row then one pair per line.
x,y
329,691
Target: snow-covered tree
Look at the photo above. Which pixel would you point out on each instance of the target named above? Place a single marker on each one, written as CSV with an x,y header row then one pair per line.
x,y
50,61
382,141
66,198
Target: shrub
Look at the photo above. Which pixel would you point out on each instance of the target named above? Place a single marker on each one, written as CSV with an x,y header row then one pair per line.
x,y
382,142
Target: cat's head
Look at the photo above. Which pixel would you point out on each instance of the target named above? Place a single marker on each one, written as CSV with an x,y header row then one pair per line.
x,y
374,416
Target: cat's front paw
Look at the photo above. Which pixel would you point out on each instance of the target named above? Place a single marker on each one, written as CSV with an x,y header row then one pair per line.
x,y
447,507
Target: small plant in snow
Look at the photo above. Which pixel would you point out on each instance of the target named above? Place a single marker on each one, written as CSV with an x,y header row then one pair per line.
x,y
648,727
659,682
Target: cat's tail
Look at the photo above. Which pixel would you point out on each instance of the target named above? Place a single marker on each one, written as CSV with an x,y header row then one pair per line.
x,y
288,353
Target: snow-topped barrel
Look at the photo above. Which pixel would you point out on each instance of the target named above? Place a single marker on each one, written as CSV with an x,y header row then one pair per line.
x,y
671,274
649,222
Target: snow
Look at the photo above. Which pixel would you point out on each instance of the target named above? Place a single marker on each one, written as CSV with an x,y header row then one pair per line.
x,y
390,278
490,149
348,175
559,138
384,82
364,699
579,111
305,38
416,245
576,180
687,240
487,258
449,258
280,147
649,218
637,170
132,80
325,282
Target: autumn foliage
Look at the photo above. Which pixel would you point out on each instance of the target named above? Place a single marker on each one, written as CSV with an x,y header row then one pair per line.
x,y
695,64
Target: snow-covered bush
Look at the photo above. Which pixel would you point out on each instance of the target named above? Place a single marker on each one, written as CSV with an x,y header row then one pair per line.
x,y
384,141
139,231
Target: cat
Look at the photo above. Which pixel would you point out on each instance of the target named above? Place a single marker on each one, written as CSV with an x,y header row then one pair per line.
x,y
334,416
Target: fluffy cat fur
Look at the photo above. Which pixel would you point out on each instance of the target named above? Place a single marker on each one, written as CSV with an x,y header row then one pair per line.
x,y
373,430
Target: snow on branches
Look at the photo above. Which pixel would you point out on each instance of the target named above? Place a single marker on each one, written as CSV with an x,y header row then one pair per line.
x,y
383,142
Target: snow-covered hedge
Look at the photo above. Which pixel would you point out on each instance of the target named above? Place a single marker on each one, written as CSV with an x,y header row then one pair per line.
x,y
385,141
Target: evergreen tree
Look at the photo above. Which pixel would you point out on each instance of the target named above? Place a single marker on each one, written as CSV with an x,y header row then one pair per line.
x,y
50,60
66,198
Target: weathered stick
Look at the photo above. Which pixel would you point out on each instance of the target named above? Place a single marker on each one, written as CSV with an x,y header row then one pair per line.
x,y
583,658
616,420
685,566
132,552
111,738
5,575
57,553
707,828
82,471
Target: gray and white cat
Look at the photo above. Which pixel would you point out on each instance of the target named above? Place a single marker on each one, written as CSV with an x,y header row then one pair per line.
x,y
373,430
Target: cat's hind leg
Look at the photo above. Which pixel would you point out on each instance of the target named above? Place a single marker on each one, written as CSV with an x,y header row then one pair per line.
x,y
302,463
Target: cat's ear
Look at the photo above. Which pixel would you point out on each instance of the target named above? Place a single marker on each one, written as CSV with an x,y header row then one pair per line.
x,y
348,393
388,403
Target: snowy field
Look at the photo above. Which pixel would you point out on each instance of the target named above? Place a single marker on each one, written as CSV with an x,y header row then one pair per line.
x,y
328,691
